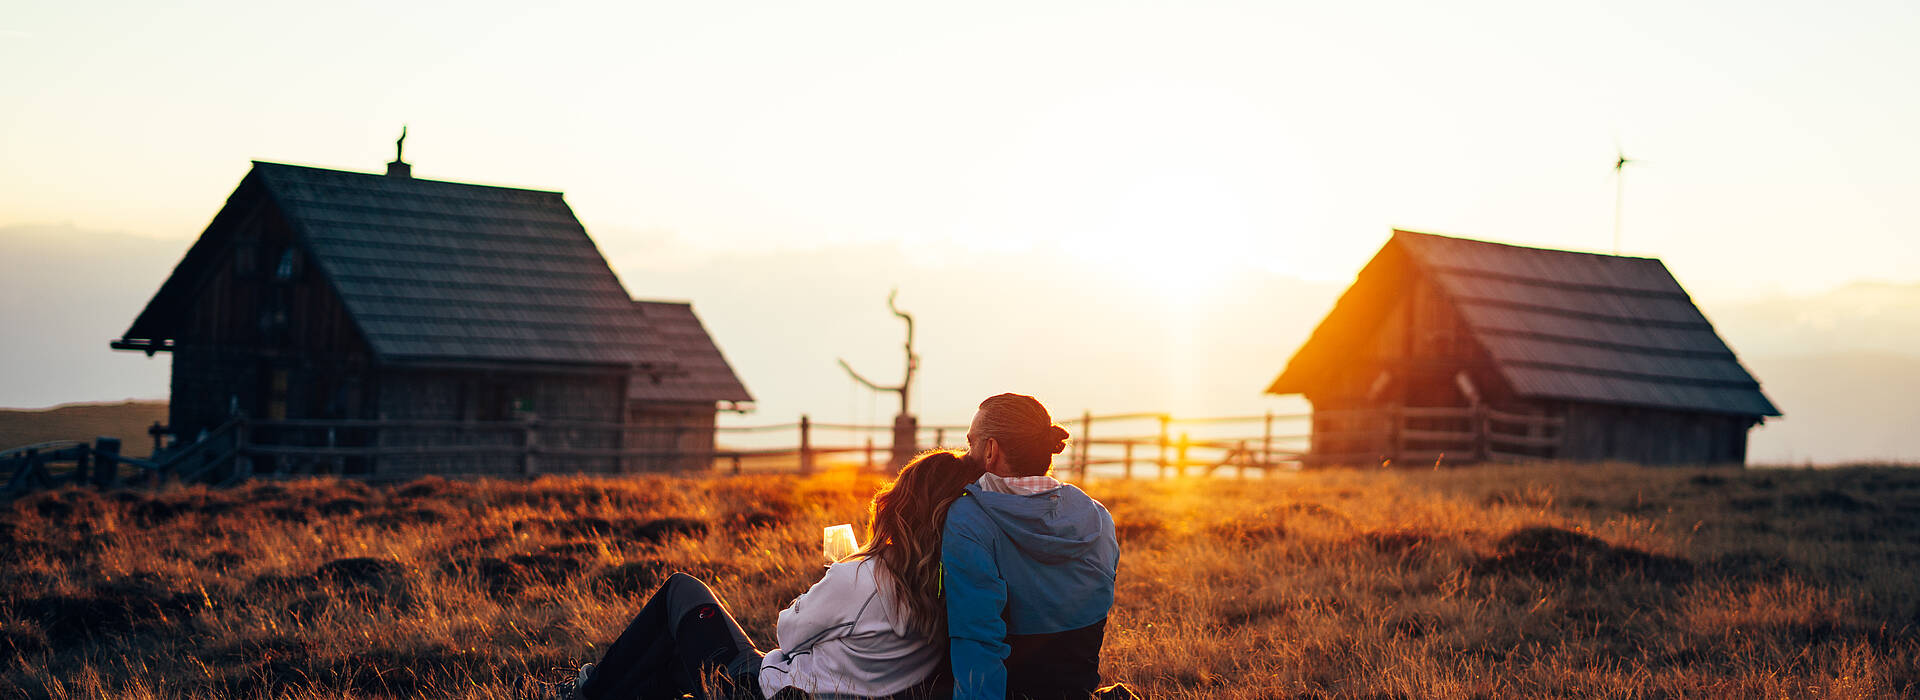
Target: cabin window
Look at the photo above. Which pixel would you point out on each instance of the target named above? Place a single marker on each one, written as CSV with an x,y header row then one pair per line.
x,y
289,266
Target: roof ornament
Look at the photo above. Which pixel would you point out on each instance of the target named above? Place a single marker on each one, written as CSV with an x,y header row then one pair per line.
x,y
1620,161
399,166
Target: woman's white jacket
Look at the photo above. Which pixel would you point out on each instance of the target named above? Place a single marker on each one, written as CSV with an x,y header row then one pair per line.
x,y
847,636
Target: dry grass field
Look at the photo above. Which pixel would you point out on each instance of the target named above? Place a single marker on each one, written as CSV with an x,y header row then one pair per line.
x,y
1590,581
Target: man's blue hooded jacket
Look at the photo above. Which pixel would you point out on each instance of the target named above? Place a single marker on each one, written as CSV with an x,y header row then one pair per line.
x,y
1028,581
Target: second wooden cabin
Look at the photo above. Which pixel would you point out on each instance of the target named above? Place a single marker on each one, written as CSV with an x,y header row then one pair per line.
x,y
1483,351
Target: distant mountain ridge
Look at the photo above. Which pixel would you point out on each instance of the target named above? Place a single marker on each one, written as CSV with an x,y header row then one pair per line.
x,y
1840,407
1874,317
127,420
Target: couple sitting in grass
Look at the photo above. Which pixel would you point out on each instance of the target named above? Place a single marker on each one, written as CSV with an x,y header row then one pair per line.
x,y
982,577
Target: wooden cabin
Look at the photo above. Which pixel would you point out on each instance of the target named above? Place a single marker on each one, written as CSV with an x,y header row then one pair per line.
x,y
410,314
1460,350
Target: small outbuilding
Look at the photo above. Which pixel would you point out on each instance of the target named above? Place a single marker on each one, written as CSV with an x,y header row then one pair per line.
x,y
675,411
1461,350
355,310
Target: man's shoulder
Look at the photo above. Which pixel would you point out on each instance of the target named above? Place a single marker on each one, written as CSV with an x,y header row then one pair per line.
x,y
1073,492
966,515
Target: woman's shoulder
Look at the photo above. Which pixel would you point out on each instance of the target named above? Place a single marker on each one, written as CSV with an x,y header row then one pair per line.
x,y
855,570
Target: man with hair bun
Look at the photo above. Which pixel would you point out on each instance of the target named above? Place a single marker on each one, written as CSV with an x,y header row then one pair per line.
x,y
1029,565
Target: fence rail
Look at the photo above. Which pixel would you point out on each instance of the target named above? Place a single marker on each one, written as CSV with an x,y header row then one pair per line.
x,y
1104,446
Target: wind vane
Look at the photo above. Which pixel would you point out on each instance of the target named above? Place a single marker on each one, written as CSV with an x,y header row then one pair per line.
x,y
1619,191
400,146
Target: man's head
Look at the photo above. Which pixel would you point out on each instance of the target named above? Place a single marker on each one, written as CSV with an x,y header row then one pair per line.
x,y
1012,435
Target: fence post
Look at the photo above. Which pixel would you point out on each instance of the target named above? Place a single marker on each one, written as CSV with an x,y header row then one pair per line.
x,y
1086,442
680,461
32,474
81,459
806,444
736,464
158,474
939,437
1536,429
1241,471
242,462
106,462
906,441
1482,438
1181,468
1162,462
17,479
1394,427
1266,445
158,432
373,440
529,444
870,452
1129,459
337,465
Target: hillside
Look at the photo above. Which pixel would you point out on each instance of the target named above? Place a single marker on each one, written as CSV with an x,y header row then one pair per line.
x,y
127,420
1840,407
1580,582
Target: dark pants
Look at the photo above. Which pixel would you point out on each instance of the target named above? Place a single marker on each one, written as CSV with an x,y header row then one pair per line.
x,y
1055,666
681,636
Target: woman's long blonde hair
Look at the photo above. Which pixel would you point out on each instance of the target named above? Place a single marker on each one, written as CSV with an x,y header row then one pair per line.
x,y
904,526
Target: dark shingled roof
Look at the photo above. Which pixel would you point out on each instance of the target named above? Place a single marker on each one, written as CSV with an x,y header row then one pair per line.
x,y
704,375
1580,326
435,271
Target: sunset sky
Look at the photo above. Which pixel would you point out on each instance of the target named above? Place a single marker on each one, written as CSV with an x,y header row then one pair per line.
x,y
1179,159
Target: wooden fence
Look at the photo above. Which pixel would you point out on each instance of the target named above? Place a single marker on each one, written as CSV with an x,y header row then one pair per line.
x,y
1409,435
100,464
530,447
1105,446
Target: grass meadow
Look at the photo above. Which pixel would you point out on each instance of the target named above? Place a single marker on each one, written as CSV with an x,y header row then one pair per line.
x,y
1596,581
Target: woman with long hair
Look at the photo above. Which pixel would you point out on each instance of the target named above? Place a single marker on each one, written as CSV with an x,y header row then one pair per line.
x,y
873,627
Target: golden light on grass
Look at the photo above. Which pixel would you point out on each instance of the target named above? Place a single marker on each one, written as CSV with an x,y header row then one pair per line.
x,y
1599,581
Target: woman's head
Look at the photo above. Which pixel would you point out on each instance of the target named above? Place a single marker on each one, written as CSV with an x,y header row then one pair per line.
x,y
903,531
1013,431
